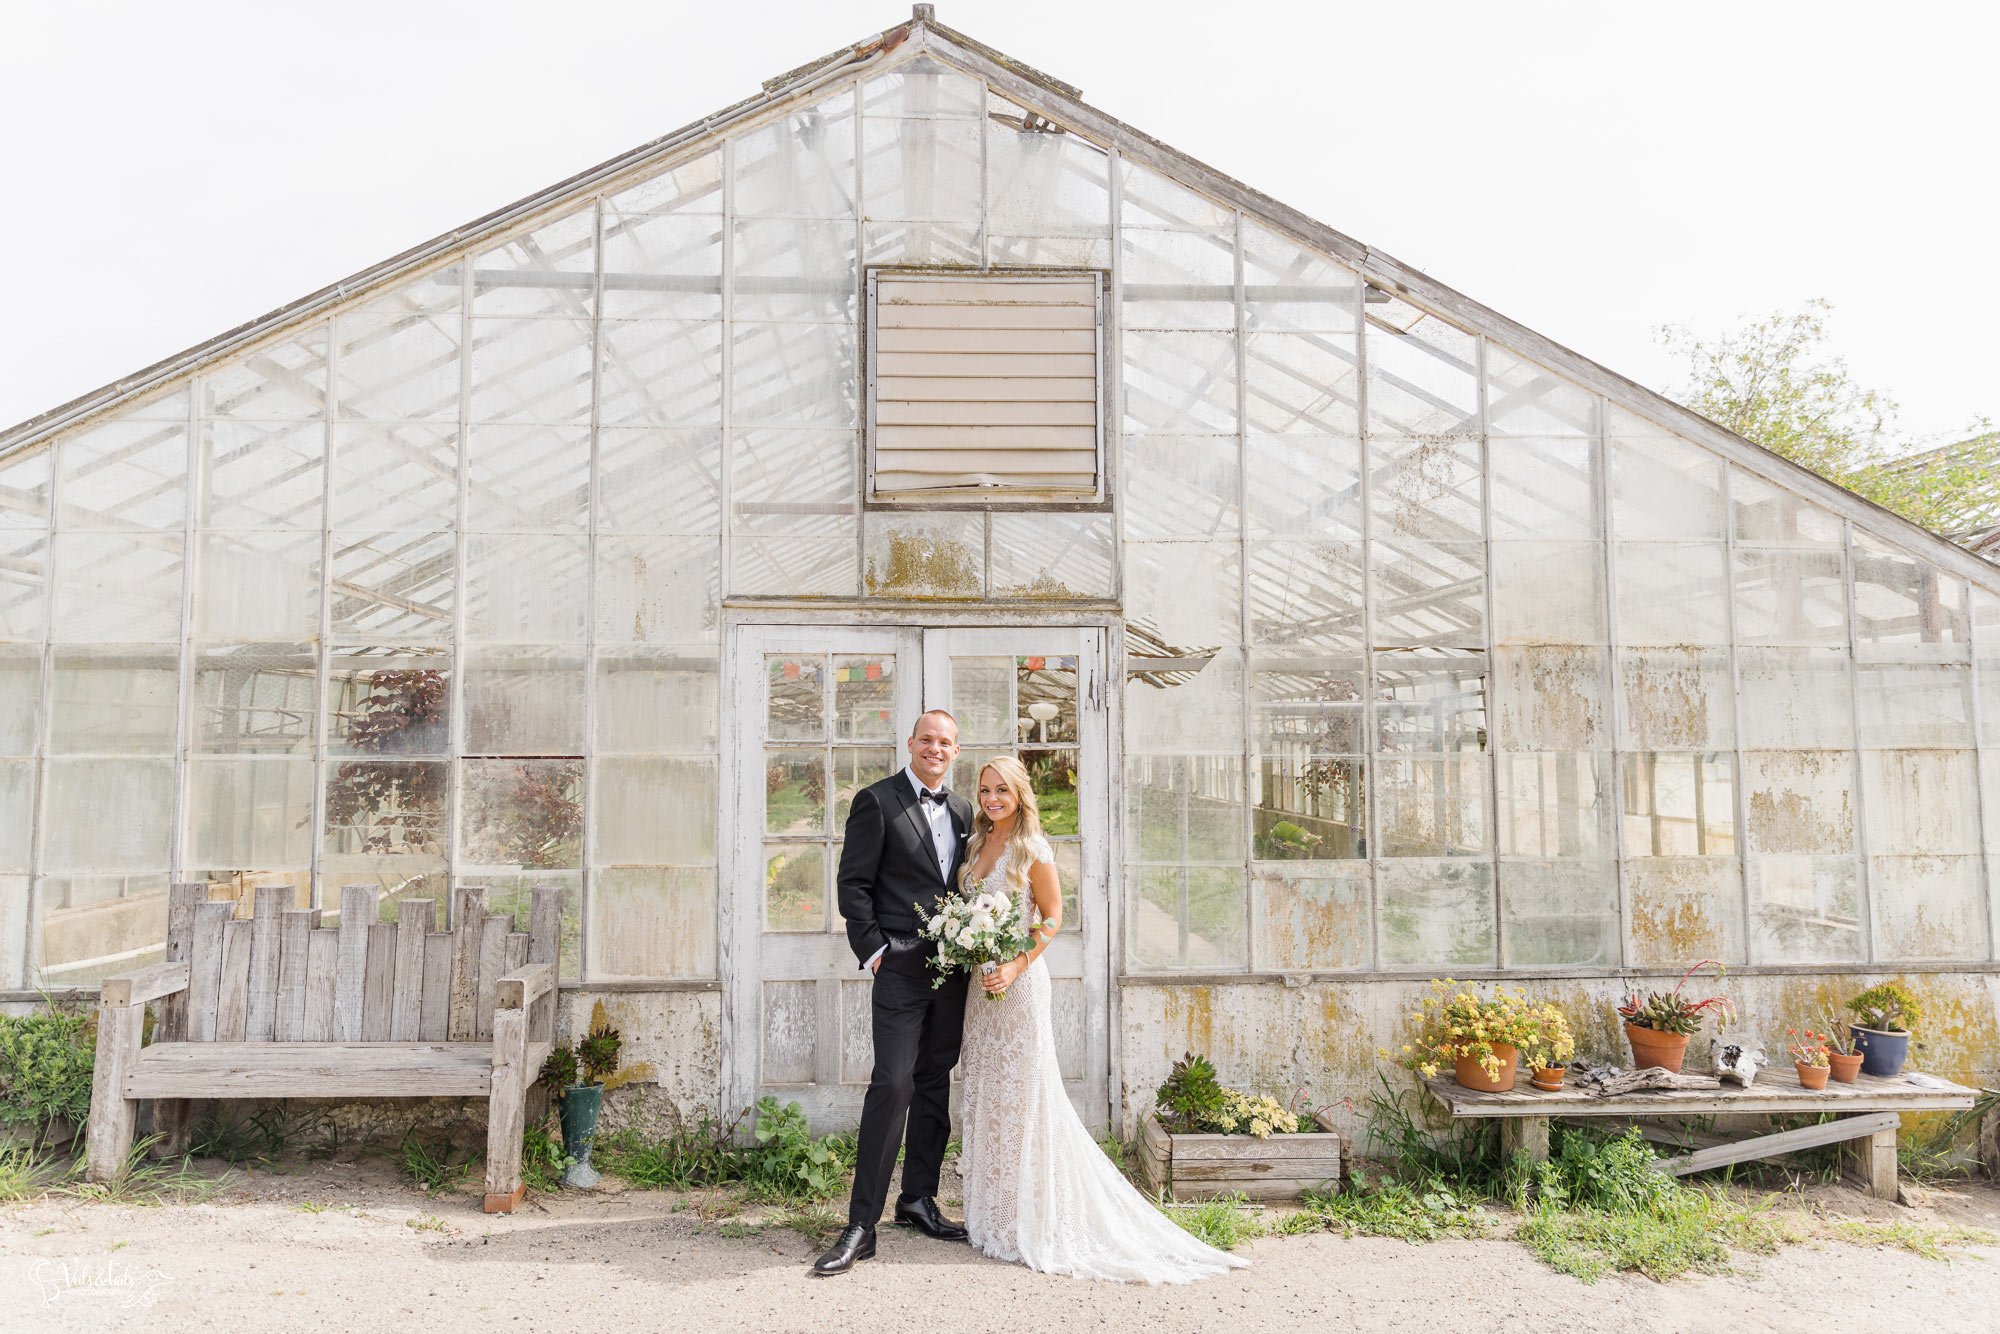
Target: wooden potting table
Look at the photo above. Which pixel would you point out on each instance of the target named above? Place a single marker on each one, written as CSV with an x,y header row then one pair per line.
x,y
1867,1112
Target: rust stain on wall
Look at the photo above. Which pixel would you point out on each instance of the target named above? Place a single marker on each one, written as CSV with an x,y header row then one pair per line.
x,y
923,563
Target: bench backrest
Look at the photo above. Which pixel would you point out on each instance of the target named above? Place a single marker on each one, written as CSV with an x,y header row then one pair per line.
x,y
279,976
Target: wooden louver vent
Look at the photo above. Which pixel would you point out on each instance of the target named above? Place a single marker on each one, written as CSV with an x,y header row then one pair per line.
x,y
986,385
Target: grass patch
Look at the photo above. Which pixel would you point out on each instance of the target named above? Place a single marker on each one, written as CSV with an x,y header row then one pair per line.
x,y
1931,1241
1389,1207
1222,1223
1691,1231
815,1222
431,1168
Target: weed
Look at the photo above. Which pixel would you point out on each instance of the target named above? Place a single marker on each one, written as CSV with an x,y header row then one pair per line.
x,y
311,1207
542,1160
1223,1223
45,1067
1117,1151
698,1152
431,1168
1388,1207
736,1231
815,1222
170,1181
1428,1146
28,1174
787,1162
1931,1242
1298,1223
426,1223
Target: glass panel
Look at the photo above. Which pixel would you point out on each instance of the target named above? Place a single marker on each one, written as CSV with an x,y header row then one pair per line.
x,y
1553,698
652,922
863,698
527,478
922,88
1187,594
531,371
1685,908
529,589
1768,515
1549,592
1051,557
255,699
24,488
1436,915
795,708
1188,917
1422,373
285,382
1309,807
17,825
660,373
253,814
658,589
659,481
1679,805
1300,486
393,585
1179,383
1428,593
800,166
548,271
1426,488
1921,801
651,812
1662,487
107,815
1310,916
1904,605
1152,200
1795,697
1555,805
927,556
1805,909
1048,193
795,482
691,187
1180,486
982,699
795,887
385,819
1431,806
395,476
23,598
523,701
114,701
1524,399
20,698
657,701
521,814
1676,699
388,701
258,585
817,563
1673,593
263,474
795,792
1913,705
97,926
398,355
1179,279
796,271
1052,774
1928,907
1286,286
855,767
1430,702
1790,597
662,266
1546,488
1800,801
1182,808
117,587
1559,913
1308,705
1182,702
926,169
1308,594
124,474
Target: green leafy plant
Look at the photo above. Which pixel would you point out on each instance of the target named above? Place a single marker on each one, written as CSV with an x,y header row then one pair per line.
x,y
1223,1223
542,1160
46,1061
431,1166
1671,1012
1190,1098
787,1162
1889,1007
1374,1206
699,1151
597,1052
559,1070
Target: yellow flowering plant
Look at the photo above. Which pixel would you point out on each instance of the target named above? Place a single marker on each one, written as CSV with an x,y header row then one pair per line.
x,y
1552,1043
1452,1022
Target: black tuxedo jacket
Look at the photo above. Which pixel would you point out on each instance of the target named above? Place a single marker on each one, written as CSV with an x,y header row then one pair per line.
x,y
888,865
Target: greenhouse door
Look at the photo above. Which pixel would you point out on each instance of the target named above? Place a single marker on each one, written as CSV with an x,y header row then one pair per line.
x,y
821,712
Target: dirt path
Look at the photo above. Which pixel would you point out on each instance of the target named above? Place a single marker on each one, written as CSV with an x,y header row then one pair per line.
x,y
350,1247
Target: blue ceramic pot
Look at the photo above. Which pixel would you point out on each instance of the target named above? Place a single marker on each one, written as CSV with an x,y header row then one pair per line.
x,y
1882,1053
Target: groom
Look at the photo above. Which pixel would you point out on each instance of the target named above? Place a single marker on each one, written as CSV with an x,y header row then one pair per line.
x,y
905,843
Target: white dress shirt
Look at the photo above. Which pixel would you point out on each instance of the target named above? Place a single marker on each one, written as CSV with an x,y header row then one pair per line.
x,y
944,838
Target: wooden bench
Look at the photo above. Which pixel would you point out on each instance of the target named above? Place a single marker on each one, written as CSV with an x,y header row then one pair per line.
x,y
277,1006
1867,1115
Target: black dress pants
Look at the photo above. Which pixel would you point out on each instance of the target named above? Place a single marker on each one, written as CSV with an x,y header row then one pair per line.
x,y
917,1034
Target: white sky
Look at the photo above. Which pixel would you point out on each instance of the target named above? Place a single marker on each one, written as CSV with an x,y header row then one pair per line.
x,y
168,171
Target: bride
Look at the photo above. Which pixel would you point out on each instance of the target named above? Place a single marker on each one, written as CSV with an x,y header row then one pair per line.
x,y
1038,1190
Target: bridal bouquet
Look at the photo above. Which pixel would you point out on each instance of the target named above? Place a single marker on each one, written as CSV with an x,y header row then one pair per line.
x,y
984,931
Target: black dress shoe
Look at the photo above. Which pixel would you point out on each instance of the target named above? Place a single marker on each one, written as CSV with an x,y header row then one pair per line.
x,y
856,1243
922,1214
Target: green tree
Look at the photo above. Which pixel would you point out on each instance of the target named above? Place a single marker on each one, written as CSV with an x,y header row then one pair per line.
x,y
1774,381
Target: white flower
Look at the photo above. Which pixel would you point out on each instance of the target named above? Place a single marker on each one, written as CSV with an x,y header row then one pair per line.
x,y
981,921
966,940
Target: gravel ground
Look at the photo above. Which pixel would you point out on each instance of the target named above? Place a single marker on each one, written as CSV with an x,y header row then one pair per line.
x,y
350,1247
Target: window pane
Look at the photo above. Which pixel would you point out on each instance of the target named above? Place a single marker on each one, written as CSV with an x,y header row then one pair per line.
x,y
1796,697
123,474
1679,805
531,371
1673,593
24,559
1428,487
114,701
527,478
1790,597
1546,488
17,824
1676,699
522,814
547,271
285,382
795,887
1310,807
97,926
117,587
1300,486
1052,557
1549,592
1553,697
20,698
107,815
1182,808
652,922
385,819
1431,806
658,700
1524,399
1555,805
393,585
662,266
395,476
1662,487
1436,914
1685,908
1805,909
1559,913
1904,604
525,701
1428,593
660,373
1307,593
258,585
263,474
255,699
398,355
1422,373
1928,907
389,701
250,814
1430,702
1913,705
795,792
1921,801
651,812
527,589
659,481
1800,801
1769,515
24,488
1310,916
927,556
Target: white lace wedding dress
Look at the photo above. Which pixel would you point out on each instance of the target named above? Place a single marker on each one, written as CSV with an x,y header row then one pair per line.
x,y
1038,1190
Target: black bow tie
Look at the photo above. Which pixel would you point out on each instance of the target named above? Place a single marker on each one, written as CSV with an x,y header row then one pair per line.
x,y
939,797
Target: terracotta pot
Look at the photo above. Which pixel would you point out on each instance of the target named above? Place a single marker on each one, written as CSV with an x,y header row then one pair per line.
x,y
1652,1047
1844,1068
1549,1078
1811,1076
1472,1075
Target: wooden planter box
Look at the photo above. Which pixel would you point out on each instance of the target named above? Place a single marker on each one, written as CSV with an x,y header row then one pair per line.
x,y
1202,1167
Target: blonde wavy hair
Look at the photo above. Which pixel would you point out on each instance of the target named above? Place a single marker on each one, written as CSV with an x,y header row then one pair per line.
x,y
1027,825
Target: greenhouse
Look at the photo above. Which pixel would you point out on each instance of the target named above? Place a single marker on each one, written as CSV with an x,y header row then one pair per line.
x,y
1353,633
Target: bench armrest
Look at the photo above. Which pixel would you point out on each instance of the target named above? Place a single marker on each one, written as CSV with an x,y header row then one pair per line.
x,y
524,986
162,979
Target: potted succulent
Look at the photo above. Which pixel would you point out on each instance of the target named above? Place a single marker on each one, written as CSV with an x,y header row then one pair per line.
x,y
1885,1017
575,1077
1549,1048
1480,1038
1809,1057
1659,1024
1841,1057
